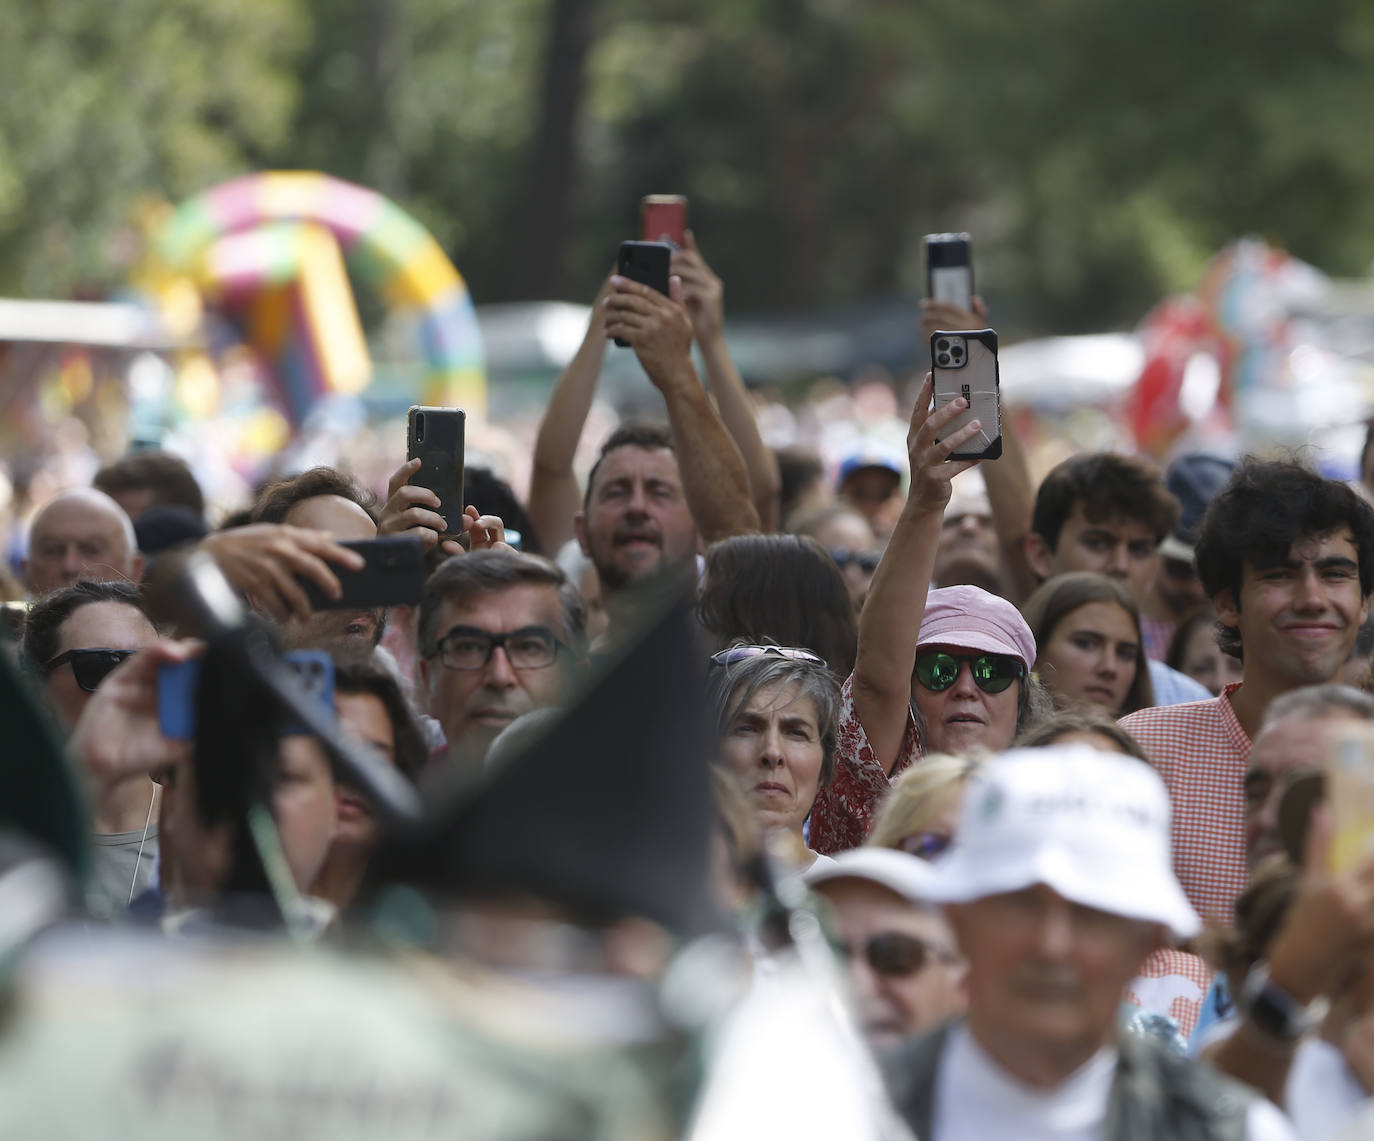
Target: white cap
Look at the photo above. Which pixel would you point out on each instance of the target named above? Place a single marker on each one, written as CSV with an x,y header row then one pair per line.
x,y
1092,826
899,872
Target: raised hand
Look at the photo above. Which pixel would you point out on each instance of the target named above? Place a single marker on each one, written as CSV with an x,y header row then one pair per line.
x,y
262,562
658,328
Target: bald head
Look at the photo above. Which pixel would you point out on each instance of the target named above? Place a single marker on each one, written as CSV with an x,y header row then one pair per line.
x,y
80,535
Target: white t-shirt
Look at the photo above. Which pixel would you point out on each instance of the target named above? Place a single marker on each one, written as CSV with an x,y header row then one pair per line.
x,y
1323,1095
976,1099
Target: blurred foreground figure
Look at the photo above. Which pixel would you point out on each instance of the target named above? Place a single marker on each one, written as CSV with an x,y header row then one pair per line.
x,y
546,962
1057,888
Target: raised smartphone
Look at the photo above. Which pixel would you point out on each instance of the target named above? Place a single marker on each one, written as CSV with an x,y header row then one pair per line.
x,y
949,269
435,437
647,263
393,574
964,363
663,218
177,681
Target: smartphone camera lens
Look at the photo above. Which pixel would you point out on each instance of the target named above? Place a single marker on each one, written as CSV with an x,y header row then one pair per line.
x,y
419,427
943,358
942,345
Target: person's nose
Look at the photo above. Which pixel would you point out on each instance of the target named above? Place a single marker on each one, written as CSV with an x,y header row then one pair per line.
x,y
1118,562
964,686
1107,663
500,674
1310,594
1054,931
770,748
72,563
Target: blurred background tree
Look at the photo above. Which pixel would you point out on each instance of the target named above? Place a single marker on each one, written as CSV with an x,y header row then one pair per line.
x,y
1099,153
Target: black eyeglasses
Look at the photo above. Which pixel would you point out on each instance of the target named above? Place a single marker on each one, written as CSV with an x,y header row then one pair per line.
x,y
728,657
897,955
925,845
470,648
937,670
867,560
89,667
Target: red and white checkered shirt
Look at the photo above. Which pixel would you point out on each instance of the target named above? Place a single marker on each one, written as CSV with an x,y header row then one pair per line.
x,y
843,814
1200,750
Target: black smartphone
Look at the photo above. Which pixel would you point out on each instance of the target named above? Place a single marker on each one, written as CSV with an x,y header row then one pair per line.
x,y
647,263
964,363
949,269
435,437
393,575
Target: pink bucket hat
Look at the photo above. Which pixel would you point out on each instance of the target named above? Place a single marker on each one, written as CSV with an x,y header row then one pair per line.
x,y
969,618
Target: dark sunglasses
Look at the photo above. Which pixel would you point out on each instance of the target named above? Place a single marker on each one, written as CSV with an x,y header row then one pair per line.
x,y
734,654
937,670
896,955
867,560
925,845
89,667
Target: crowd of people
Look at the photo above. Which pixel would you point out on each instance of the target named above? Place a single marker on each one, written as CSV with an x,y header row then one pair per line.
x,y
1033,776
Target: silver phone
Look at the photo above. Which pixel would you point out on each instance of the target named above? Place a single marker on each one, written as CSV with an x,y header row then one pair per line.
x,y
964,363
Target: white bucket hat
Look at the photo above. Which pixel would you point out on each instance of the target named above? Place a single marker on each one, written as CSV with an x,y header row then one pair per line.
x,y
902,874
1092,826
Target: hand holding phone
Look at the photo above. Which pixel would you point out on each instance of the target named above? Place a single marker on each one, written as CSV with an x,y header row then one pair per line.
x,y
649,263
435,437
964,363
392,574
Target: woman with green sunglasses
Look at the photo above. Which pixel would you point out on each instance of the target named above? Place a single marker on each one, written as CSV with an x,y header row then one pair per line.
x,y
938,671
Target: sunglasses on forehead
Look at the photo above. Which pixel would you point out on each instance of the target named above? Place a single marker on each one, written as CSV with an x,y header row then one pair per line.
x,y
734,654
895,954
89,667
937,670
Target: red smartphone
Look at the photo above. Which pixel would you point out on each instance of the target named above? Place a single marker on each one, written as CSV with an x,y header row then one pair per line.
x,y
663,218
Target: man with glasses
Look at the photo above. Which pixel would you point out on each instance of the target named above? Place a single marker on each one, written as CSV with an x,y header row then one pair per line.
x,y
905,972
73,639
500,634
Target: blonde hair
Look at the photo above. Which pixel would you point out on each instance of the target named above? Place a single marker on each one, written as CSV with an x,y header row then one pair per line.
x,y
921,795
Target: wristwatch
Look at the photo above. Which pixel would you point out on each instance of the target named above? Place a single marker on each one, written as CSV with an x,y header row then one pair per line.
x,y
1274,1012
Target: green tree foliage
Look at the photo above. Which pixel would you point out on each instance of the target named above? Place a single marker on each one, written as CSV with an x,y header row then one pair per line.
x,y
106,105
1100,153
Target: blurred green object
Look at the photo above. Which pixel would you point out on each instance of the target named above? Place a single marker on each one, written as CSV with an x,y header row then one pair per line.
x,y
40,796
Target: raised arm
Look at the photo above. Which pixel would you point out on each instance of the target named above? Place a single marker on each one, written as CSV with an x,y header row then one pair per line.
x,y
1011,494
890,622
713,474
704,294
554,496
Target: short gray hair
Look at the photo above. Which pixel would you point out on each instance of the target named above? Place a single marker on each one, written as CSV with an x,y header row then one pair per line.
x,y
1313,701
732,686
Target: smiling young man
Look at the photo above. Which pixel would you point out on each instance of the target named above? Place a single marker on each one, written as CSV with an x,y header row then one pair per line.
x,y
1287,558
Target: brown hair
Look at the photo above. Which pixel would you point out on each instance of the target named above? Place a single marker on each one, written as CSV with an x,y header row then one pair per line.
x,y
1107,484
782,589
1057,598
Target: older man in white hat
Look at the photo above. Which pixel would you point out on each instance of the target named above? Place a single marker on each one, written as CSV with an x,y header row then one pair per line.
x,y
1058,886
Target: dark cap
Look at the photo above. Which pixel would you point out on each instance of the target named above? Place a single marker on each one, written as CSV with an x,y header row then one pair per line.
x,y
1193,480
